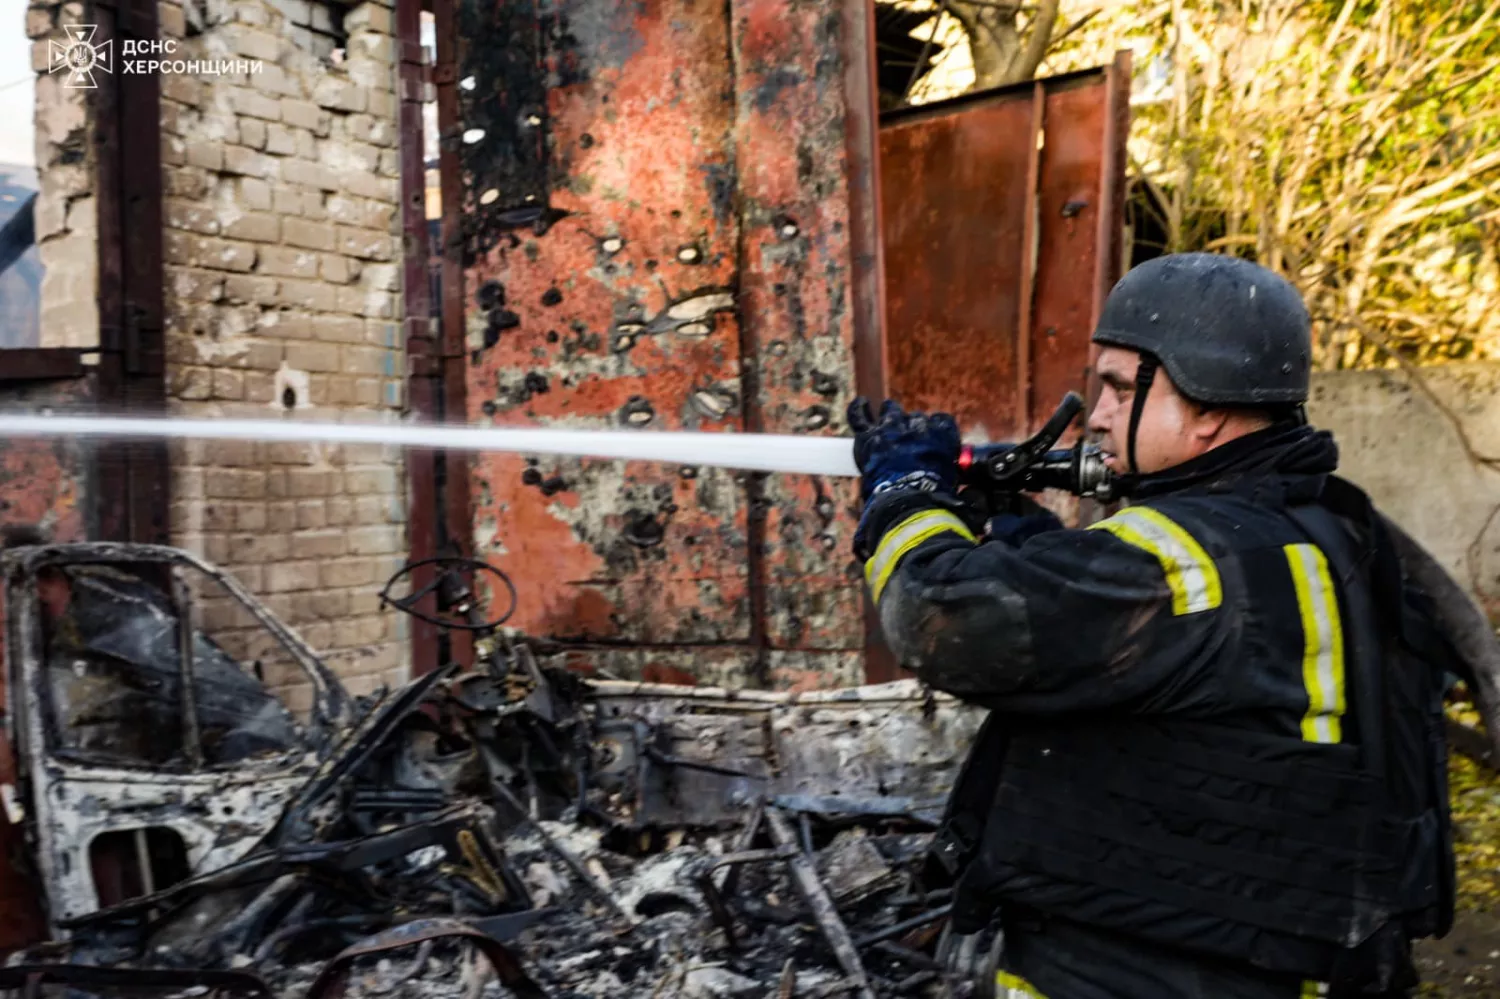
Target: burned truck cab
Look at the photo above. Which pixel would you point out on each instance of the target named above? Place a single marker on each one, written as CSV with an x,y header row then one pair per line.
x,y
161,718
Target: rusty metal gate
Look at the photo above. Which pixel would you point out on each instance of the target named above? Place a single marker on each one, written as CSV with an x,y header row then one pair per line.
x,y
1003,224
666,216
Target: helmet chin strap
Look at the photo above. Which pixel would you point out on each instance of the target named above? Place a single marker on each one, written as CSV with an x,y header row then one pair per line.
x,y
1145,374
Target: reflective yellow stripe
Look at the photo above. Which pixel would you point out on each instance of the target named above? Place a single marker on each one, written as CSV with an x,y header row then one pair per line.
x,y
903,538
1322,644
1008,986
1313,990
1191,574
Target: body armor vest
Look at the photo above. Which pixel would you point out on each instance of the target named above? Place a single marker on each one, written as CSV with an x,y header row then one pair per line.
x,y
1222,834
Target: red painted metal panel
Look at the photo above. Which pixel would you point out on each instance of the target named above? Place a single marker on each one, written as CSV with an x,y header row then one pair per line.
x,y
1002,227
670,223
600,279
1071,197
796,304
955,202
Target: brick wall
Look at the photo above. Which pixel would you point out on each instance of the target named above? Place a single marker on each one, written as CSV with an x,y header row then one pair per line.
x,y
66,211
282,283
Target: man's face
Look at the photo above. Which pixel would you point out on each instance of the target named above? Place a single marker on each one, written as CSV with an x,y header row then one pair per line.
x,y
1172,429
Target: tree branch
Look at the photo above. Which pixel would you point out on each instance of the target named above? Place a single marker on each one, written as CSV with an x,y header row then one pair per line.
x,y
1038,40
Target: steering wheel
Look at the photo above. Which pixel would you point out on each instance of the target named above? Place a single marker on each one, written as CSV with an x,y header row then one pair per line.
x,y
448,566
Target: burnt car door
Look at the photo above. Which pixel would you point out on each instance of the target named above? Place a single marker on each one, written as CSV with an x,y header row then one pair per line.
x,y
139,765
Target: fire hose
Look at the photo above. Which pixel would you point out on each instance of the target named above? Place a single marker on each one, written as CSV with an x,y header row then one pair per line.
x,y
1031,465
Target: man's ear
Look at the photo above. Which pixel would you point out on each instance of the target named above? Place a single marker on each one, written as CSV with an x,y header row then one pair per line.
x,y
1210,422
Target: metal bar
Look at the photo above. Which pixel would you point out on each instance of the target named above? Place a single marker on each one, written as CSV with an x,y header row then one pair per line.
x,y
891,932
816,896
21,364
742,842
912,957
143,302
1030,241
867,256
110,515
132,482
717,909
915,981
756,502
422,389
192,743
456,516
866,247
754,857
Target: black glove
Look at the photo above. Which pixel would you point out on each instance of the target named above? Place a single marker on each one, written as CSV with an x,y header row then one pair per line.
x,y
903,450
901,454
1019,519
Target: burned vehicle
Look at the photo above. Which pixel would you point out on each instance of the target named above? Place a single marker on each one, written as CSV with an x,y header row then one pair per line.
x,y
206,805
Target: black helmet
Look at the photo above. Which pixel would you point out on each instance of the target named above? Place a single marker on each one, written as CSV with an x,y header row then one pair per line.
x,y
1228,332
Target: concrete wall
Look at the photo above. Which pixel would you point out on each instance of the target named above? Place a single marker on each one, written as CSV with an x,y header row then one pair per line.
x,y
1400,447
282,285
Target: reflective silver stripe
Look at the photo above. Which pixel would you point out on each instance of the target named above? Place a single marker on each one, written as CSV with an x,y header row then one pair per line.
x,y
1190,571
903,538
1322,643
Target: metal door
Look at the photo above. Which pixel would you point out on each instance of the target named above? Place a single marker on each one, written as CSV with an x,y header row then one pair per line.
x,y
1003,233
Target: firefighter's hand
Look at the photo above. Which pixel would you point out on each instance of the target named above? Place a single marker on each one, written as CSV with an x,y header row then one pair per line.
x,y
1020,519
901,450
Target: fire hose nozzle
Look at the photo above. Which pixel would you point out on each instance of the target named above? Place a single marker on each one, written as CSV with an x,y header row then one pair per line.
x,y
1034,465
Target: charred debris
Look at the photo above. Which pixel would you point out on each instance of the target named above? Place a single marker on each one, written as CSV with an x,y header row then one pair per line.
x,y
206,809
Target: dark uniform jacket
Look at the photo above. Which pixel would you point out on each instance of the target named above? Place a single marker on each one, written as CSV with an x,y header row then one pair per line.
x,y
1216,738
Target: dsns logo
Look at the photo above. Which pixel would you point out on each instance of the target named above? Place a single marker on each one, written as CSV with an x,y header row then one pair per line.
x,y
79,56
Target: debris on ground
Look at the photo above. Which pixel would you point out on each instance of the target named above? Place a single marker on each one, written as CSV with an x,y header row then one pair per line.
x,y
511,830
515,830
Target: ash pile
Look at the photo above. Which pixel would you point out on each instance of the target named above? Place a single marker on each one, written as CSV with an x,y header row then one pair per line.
x,y
511,830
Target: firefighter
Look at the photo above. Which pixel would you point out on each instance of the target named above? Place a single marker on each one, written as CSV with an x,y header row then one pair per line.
x,y
1214,760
